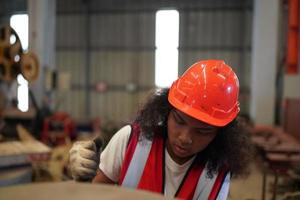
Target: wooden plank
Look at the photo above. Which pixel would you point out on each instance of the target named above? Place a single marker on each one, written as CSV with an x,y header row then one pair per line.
x,y
279,157
17,153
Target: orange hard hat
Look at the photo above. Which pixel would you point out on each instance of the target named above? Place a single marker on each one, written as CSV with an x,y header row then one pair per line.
x,y
207,91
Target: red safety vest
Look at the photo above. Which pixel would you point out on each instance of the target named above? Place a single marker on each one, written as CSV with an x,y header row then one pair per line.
x,y
143,168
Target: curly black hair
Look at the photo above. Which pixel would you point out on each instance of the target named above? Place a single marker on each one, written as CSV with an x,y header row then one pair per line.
x,y
231,147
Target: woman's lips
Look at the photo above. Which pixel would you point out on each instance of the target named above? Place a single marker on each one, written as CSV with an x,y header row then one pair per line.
x,y
180,150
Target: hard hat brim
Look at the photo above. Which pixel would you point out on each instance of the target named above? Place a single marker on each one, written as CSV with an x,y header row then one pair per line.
x,y
195,113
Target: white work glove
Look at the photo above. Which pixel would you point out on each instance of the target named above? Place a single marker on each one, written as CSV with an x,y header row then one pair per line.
x,y
83,160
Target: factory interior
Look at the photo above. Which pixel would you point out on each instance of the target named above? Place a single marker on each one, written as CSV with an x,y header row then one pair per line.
x,y
75,70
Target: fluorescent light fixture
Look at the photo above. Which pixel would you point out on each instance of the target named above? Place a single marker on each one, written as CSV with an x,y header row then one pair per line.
x,y
20,24
166,41
22,94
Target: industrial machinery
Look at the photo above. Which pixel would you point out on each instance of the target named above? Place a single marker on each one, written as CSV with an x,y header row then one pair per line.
x,y
13,60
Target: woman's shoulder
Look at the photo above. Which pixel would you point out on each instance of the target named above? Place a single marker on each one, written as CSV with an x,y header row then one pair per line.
x,y
122,134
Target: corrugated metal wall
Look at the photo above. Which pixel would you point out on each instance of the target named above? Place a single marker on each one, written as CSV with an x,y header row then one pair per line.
x,y
113,42
118,50
221,34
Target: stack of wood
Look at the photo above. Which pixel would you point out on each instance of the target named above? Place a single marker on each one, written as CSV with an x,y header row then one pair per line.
x,y
26,151
276,145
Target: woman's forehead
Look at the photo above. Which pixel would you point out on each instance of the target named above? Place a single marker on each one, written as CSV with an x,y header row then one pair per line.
x,y
191,120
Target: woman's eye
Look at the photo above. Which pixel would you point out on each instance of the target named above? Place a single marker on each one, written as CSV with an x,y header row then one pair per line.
x,y
177,120
204,132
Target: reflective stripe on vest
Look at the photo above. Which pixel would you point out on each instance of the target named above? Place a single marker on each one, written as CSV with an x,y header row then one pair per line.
x,y
225,188
204,185
137,164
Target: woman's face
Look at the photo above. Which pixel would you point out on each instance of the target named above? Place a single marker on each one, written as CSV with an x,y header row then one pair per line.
x,y
187,136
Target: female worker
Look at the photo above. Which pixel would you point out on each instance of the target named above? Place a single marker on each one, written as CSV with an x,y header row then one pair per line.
x,y
186,142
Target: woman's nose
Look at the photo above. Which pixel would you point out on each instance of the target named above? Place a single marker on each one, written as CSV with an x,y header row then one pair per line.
x,y
185,137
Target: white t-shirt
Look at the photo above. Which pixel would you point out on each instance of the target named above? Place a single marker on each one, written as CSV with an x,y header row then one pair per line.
x,y
112,157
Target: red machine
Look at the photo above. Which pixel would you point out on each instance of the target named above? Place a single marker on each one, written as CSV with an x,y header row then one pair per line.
x,y
58,129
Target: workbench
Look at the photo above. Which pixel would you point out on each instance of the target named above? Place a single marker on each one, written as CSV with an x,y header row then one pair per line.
x,y
280,152
74,191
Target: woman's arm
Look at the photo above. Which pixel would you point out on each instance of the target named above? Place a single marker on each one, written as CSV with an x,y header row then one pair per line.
x,y
111,158
102,178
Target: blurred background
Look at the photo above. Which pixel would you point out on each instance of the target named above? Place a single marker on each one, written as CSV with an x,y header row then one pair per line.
x,y
74,69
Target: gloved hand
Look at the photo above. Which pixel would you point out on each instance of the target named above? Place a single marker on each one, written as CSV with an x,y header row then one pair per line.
x,y
83,160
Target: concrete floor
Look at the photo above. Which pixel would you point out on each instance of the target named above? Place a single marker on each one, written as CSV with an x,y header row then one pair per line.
x,y
249,188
